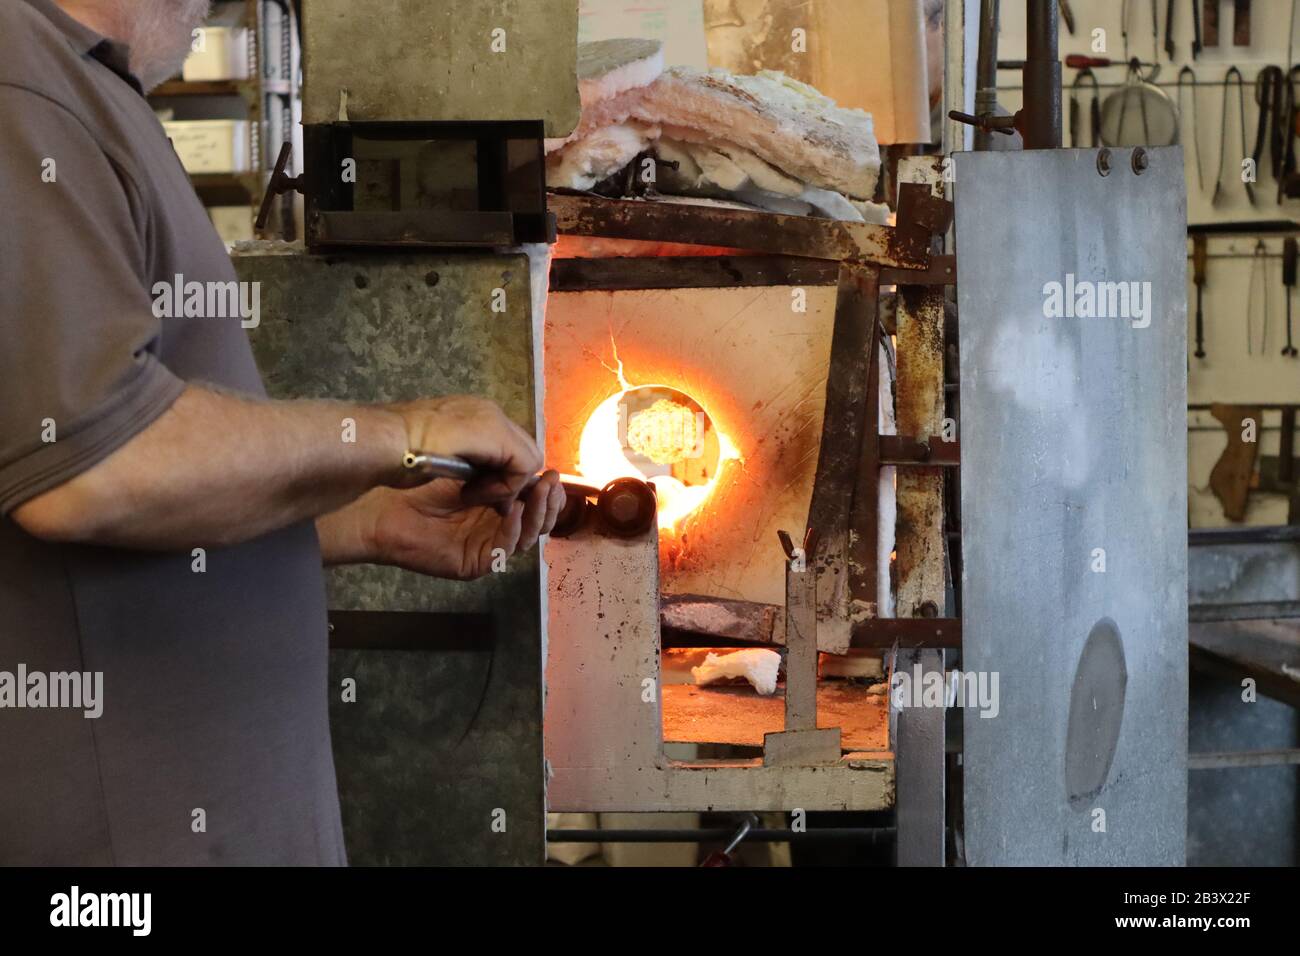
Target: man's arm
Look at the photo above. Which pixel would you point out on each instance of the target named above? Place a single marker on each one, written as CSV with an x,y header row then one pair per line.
x,y
215,469
199,468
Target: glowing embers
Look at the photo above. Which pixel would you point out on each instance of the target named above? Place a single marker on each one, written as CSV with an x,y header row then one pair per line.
x,y
661,435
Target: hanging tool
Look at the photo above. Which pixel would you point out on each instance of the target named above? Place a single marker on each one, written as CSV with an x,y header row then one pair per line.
x,y
1068,16
1155,31
723,857
1094,111
1190,124
1123,26
1258,267
1276,474
1288,184
1200,260
1273,116
1228,77
1169,29
1289,251
1139,113
1081,61
1290,38
1241,22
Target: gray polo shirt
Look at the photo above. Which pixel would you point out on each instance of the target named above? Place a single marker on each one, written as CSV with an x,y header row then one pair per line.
x,y
213,742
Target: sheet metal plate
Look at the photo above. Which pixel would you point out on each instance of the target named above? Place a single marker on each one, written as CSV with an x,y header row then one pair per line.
x,y
449,60
1073,439
439,743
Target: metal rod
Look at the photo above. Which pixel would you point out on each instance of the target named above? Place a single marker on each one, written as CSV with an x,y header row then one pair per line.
x,y
986,70
1266,406
1041,125
429,466
440,466
1244,611
1241,255
722,835
1217,84
1223,760
1260,534
1229,230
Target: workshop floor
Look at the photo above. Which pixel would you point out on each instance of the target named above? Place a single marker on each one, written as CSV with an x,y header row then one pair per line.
x,y
736,715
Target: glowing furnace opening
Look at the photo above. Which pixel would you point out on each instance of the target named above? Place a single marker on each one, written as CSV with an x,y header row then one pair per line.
x,y
658,434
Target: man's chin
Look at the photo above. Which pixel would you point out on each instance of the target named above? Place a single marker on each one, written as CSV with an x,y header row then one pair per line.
x,y
162,38
151,75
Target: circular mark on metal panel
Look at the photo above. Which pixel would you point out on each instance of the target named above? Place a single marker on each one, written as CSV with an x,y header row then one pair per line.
x,y
1096,711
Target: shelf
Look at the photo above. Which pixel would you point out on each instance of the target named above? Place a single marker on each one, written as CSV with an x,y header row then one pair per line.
x,y
220,87
229,189
201,88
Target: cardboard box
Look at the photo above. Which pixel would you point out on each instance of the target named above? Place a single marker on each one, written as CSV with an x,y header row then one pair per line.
x,y
220,53
211,146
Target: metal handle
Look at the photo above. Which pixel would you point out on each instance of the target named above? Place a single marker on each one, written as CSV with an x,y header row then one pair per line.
x,y
439,466
448,466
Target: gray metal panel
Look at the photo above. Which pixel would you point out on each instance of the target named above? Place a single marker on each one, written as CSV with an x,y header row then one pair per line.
x,y
920,770
1073,439
436,740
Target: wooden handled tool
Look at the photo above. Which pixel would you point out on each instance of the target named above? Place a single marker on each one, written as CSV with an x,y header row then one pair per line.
x,y
1081,61
1200,259
1288,280
1241,22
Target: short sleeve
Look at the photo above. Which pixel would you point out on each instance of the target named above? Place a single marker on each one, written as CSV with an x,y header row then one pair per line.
x,y
79,373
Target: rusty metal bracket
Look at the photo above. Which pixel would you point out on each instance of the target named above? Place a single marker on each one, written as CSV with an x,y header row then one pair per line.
x,y
281,183
941,271
921,215
882,633
740,229
934,452
843,506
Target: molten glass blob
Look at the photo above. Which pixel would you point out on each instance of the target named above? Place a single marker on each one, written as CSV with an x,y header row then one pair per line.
x,y
666,432
661,435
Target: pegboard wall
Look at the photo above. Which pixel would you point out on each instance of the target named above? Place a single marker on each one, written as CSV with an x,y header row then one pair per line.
x,y
1244,300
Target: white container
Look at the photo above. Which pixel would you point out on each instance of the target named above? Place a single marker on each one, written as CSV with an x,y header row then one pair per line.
x,y
218,53
211,146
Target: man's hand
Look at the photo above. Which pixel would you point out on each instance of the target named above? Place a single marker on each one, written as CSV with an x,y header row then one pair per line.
x,y
432,531
477,430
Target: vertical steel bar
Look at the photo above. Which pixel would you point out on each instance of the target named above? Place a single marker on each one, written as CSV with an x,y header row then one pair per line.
x,y
1042,76
800,647
919,569
986,69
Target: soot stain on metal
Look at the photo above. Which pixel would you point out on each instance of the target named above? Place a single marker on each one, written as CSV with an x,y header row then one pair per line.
x,y
1096,713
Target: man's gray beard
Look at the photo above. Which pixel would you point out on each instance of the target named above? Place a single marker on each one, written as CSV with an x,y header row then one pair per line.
x,y
161,32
